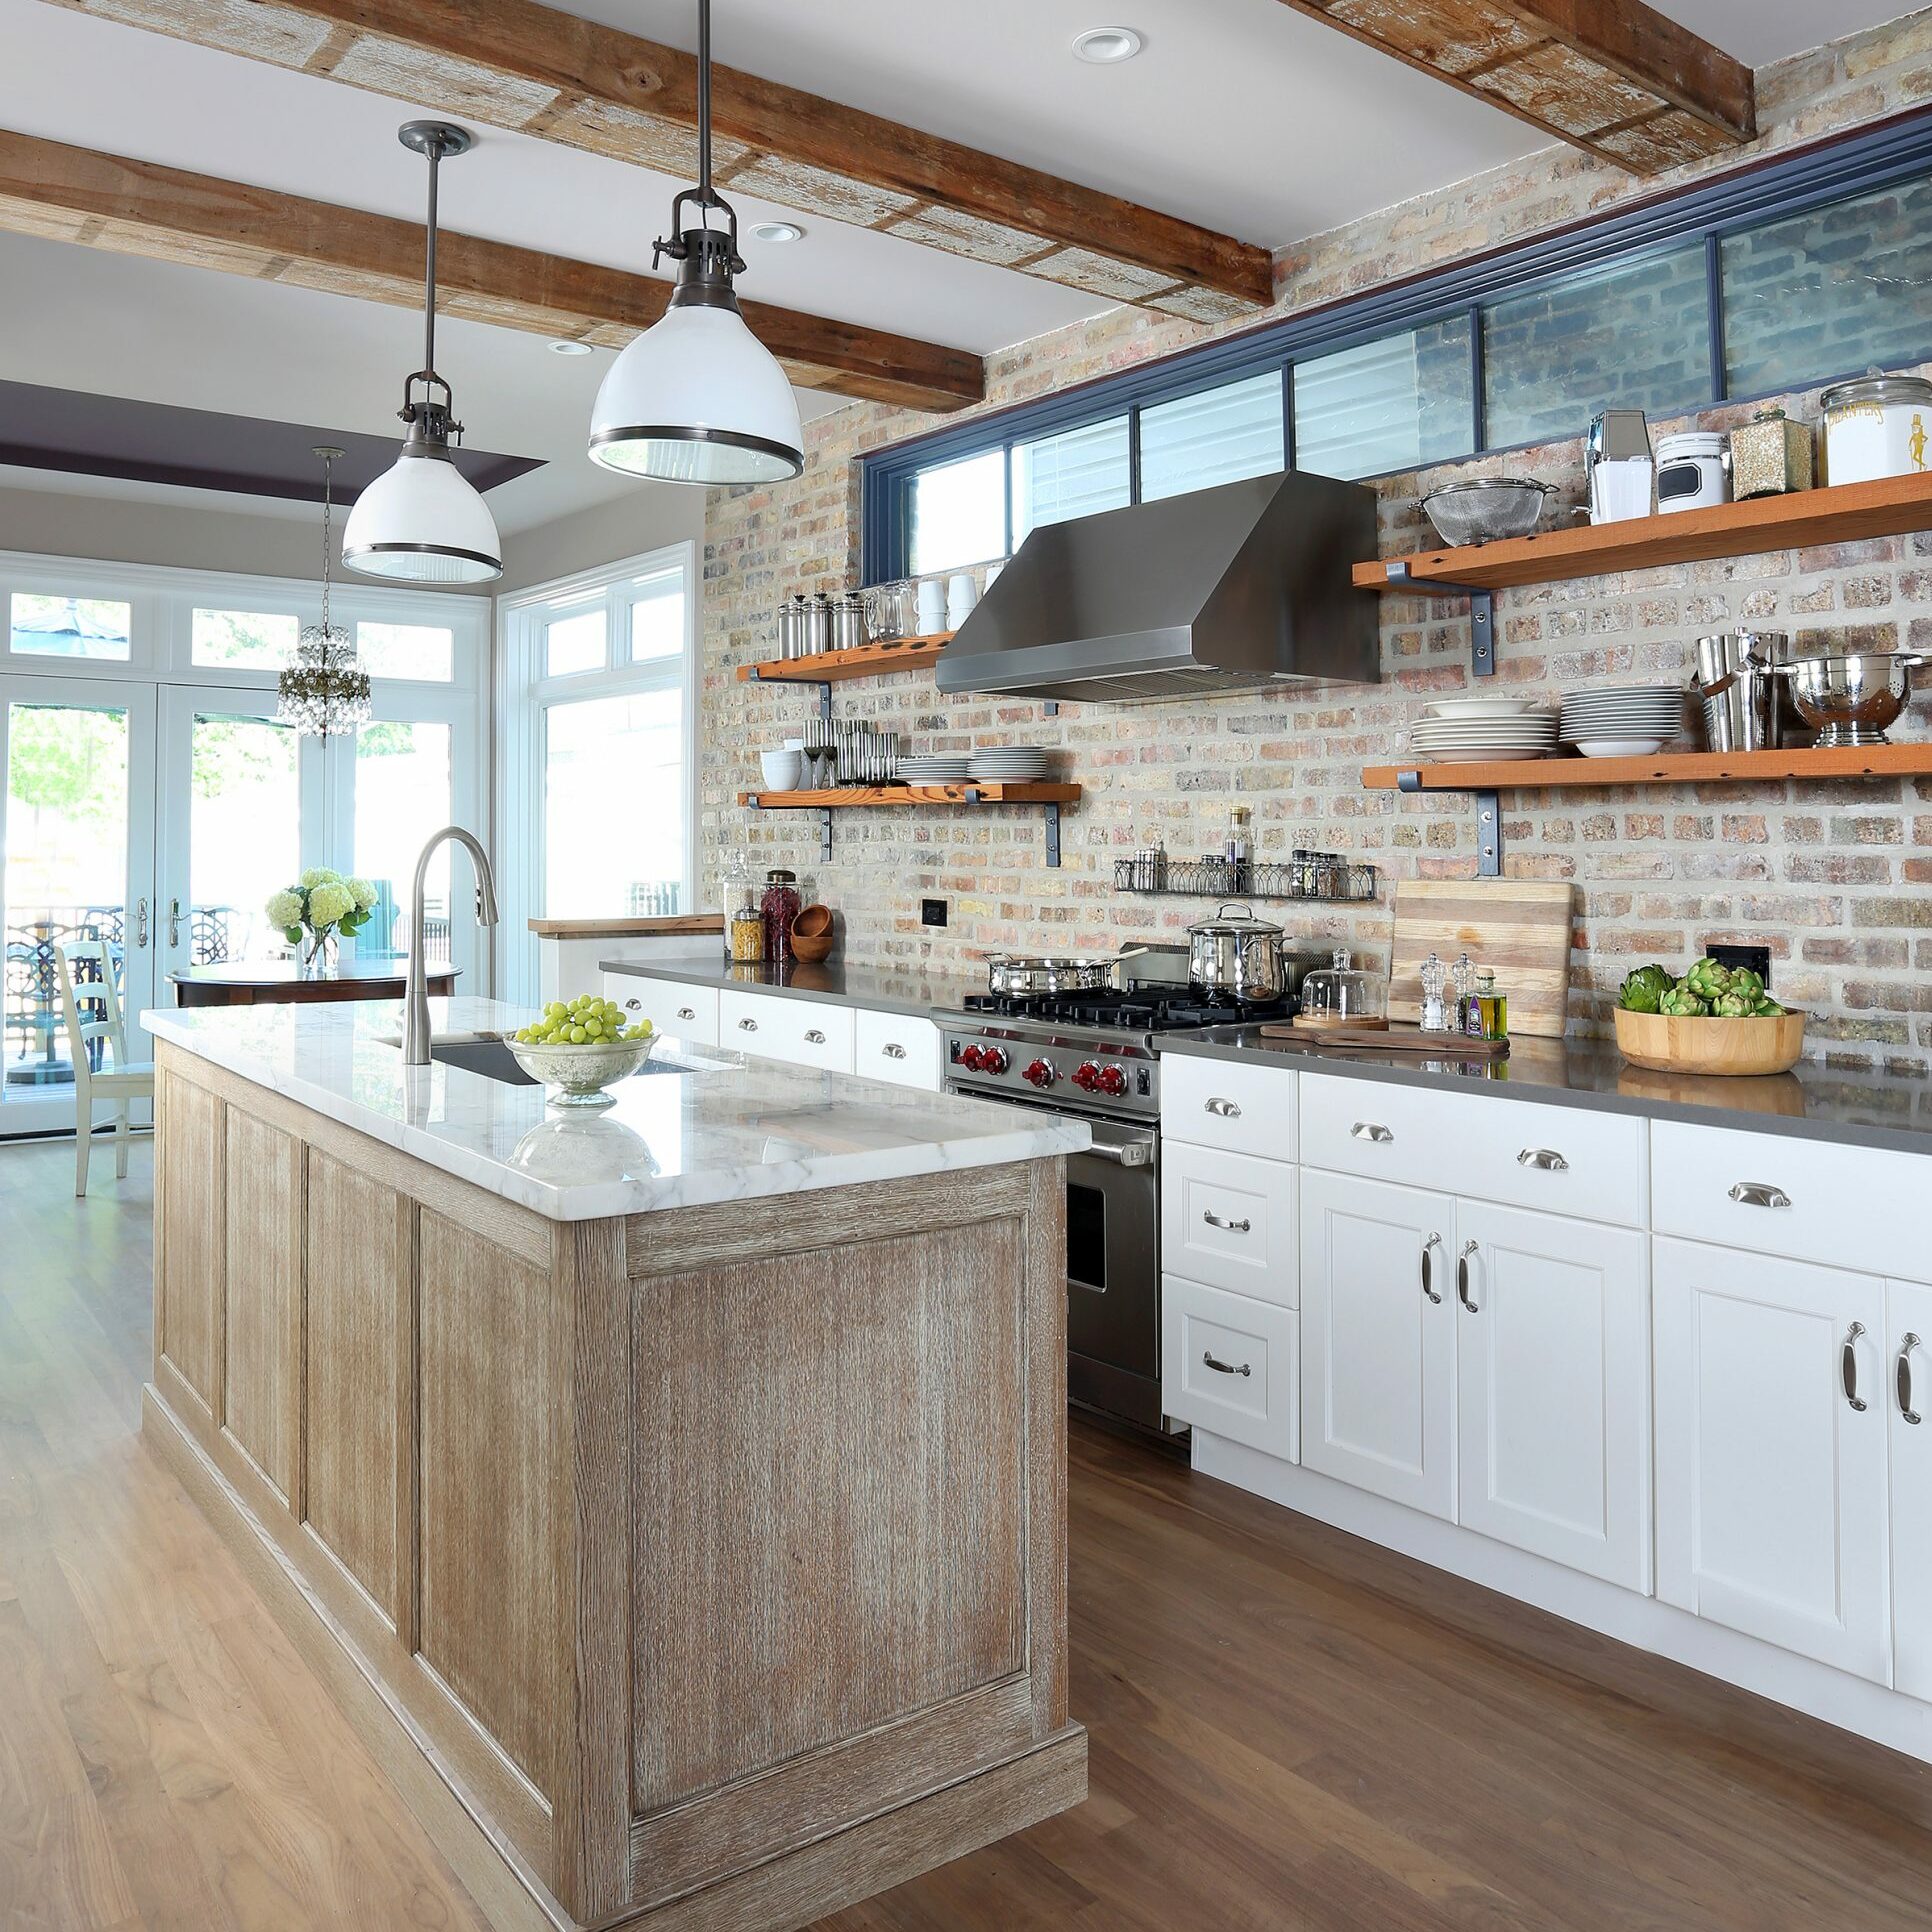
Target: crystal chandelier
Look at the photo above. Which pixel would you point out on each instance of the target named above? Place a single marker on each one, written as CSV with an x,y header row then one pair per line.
x,y
325,690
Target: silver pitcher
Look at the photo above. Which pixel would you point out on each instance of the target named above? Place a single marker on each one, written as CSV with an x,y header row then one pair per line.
x,y
1743,702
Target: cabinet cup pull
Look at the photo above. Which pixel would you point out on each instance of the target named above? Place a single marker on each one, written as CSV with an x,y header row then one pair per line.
x,y
1225,1108
893,1050
747,1025
1227,1227
684,1012
631,1006
814,1037
1224,1368
1543,1158
1462,1277
1848,1366
1428,1269
1371,1130
1905,1408
1759,1194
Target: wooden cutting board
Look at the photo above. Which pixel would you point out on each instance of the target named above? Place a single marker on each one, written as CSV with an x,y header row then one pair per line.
x,y
1519,928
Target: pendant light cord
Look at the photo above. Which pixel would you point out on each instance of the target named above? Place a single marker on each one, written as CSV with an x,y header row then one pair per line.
x,y
435,152
706,197
328,518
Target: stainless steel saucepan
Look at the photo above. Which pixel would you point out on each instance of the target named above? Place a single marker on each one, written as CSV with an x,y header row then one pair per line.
x,y
1238,954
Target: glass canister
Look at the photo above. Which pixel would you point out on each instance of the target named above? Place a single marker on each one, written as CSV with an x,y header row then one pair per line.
x,y
780,906
1344,994
744,919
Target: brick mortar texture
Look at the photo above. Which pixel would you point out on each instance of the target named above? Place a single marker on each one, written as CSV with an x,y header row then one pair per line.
x,y
1836,878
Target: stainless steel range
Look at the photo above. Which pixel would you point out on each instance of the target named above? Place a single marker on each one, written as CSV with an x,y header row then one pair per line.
x,y
1094,1054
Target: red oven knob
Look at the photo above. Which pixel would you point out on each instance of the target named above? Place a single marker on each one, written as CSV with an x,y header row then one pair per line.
x,y
1110,1080
1038,1074
993,1060
1086,1076
973,1058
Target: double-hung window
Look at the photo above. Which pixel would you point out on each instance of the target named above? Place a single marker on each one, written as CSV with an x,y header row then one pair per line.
x,y
598,771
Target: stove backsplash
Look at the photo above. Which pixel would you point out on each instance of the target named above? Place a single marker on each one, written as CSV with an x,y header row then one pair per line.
x,y
1836,879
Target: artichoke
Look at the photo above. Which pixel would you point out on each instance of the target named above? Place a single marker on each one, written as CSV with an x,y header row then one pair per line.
x,y
1642,991
1680,1003
1746,982
1733,1006
1766,1009
1708,980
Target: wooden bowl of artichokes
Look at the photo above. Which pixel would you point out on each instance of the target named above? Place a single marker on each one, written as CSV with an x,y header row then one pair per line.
x,y
1715,1019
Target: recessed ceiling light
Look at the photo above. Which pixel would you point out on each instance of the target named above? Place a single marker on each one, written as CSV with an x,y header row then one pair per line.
x,y
778,231
564,346
1107,46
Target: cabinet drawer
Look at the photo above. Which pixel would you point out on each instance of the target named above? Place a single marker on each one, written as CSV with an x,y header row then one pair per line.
x,y
1864,1208
899,1048
1563,1160
1228,1365
1229,1220
1220,1103
687,1012
804,1031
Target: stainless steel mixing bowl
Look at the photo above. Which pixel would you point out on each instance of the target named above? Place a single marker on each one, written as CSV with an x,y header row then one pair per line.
x,y
1850,700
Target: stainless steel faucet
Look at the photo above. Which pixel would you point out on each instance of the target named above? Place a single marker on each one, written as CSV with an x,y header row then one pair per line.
x,y
416,988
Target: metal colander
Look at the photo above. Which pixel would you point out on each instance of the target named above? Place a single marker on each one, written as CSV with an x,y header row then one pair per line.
x,y
1487,509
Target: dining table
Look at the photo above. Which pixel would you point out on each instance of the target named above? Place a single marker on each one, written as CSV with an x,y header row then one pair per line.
x,y
261,982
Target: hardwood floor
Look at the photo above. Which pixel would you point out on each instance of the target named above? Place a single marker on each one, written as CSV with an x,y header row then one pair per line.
x,y
1289,1728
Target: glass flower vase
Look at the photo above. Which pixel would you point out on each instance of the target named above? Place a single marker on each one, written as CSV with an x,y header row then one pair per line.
x,y
320,954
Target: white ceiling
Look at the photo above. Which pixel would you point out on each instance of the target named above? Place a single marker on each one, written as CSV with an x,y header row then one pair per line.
x,y
1240,114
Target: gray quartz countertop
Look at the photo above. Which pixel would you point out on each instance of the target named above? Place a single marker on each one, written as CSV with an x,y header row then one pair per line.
x,y
1865,1108
883,989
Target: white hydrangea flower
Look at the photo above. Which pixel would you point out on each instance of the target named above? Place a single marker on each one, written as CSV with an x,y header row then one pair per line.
x,y
365,893
284,910
328,903
318,875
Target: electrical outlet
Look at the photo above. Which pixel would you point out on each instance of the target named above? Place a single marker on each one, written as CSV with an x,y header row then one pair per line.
x,y
1757,958
932,912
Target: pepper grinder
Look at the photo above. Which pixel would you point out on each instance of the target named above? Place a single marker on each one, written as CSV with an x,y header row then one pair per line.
x,y
1435,976
1462,979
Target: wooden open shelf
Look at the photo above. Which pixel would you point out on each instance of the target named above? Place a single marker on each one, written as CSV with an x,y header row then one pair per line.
x,y
968,791
880,658
1662,768
1848,514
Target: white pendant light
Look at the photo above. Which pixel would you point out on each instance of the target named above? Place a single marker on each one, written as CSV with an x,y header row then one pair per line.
x,y
422,521
697,398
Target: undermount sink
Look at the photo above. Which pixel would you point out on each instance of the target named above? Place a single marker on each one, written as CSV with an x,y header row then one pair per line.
x,y
494,1061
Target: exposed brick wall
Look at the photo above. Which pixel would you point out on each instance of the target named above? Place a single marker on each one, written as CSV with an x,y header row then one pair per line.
x,y
1836,878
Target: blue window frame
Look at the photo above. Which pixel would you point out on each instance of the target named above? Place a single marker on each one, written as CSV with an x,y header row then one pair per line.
x,y
1413,372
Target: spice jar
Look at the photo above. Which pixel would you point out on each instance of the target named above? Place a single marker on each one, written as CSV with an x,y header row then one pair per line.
x,y
780,907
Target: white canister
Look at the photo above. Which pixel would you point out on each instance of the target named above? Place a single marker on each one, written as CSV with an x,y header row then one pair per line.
x,y
961,595
1693,471
1878,426
932,607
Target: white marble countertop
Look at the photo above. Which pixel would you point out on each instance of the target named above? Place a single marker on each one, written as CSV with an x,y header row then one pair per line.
x,y
709,1125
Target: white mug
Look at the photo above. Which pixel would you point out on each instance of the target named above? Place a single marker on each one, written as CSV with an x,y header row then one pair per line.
x,y
932,606
961,595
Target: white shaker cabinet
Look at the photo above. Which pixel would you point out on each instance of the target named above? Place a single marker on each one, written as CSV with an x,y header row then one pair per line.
x,y
1378,1340
1553,1388
1907,1393
685,1012
1771,1417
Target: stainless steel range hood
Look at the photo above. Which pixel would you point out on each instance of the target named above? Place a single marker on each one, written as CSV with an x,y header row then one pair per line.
x,y
1223,589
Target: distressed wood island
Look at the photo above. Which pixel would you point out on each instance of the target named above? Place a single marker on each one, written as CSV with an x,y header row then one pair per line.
x,y
694,1563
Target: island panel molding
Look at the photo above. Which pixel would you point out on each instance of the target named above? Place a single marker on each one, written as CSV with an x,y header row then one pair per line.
x,y
713,1558
555,77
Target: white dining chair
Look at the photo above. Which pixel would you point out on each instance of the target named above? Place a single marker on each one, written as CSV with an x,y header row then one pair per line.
x,y
86,970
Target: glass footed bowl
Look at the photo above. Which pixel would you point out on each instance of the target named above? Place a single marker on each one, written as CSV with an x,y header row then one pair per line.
x,y
578,1075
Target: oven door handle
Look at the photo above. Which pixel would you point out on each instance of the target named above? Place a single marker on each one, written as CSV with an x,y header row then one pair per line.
x,y
1133,1153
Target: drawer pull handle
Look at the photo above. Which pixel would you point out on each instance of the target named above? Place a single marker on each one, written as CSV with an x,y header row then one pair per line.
x,y
747,1026
1905,1407
1225,1108
1758,1194
631,1006
1462,1277
684,1012
814,1037
1372,1130
1224,1368
1848,1366
1547,1160
893,1050
1227,1227
1428,1268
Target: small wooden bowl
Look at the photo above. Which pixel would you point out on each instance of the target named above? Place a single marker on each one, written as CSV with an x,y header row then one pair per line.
x,y
812,935
1730,1048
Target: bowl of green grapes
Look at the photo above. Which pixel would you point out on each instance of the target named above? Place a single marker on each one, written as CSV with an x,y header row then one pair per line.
x,y
579,1047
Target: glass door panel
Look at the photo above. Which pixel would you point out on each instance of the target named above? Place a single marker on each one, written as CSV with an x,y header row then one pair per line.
x,y
78,839
403,793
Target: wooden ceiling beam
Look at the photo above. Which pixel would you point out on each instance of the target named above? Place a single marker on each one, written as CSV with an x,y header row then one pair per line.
x,y
517,64
1613,77
136,207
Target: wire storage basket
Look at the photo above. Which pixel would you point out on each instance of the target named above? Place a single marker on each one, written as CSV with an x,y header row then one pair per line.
x,y
1325,876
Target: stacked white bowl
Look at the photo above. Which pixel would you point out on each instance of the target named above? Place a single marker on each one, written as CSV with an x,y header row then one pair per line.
x,y
1010,764
1464,731
1622,720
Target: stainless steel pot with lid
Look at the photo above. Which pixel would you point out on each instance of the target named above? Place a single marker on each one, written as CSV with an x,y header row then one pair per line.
x,y
1236,953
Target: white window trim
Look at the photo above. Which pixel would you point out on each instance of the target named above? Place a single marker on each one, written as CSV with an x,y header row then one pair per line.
x,y
523,692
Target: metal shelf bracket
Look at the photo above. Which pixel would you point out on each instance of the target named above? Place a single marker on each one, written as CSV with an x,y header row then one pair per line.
x,y
824,691
1482,613
1053,835
1489,836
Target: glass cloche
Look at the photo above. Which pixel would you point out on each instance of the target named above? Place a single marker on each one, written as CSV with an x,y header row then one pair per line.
x,y
1344,994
